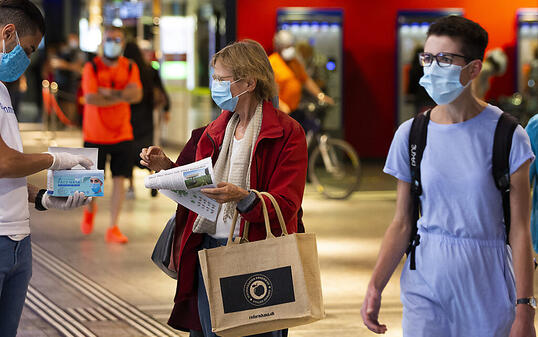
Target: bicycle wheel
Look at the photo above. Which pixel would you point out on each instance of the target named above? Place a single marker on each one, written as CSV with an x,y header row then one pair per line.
x,y
335,169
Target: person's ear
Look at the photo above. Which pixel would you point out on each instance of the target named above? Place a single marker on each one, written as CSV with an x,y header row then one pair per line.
x,y
8,32
251,84
475,67
470,72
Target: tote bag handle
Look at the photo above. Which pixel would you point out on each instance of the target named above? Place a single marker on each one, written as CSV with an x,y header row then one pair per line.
x,y
269,234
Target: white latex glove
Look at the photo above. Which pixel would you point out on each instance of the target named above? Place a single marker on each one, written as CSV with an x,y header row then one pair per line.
x,y
65,203
65,161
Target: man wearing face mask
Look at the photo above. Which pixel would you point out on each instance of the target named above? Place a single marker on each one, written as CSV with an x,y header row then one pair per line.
x,y
21,29
290,75
110,83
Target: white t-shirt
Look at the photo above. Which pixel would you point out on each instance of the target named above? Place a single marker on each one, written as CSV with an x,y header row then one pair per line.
x,y
223,226
14,214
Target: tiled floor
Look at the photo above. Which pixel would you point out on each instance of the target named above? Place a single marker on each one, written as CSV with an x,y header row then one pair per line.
x,y
90,288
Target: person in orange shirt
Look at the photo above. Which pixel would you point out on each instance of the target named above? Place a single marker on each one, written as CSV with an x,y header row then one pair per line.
x,y
290,75
110,84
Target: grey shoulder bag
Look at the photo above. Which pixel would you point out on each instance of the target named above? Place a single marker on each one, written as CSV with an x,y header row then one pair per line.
x,y
163,248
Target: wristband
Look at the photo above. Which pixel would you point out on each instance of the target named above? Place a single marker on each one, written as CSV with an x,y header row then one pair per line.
x,y
246,204
38,200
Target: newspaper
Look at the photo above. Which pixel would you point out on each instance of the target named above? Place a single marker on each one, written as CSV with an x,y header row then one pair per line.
x,y
183,184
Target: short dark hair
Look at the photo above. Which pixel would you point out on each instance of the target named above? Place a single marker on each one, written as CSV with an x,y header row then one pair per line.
x,y
473,38
26,17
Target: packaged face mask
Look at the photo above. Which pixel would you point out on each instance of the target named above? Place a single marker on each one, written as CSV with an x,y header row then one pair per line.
x,y
63,183
67,182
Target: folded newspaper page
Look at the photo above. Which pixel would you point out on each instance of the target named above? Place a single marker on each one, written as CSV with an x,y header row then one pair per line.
x,y
183,184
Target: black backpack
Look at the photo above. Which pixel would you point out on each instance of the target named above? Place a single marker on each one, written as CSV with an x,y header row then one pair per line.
x,y
502,144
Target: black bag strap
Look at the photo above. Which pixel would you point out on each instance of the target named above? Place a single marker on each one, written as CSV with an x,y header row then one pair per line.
x,y
94,66
502,144
417,143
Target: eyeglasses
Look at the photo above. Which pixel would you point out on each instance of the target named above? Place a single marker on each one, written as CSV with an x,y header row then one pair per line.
x,y
221,79
111,39
443,59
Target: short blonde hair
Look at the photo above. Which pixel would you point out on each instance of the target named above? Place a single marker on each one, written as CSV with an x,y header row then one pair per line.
x,y
247,59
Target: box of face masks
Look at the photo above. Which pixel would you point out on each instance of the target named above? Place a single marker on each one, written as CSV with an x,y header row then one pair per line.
x,y
63,183
67,182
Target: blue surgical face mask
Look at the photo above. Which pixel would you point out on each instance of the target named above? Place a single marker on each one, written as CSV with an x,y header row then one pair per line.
x,y
112,50
222,96
96,187
14,63
442,83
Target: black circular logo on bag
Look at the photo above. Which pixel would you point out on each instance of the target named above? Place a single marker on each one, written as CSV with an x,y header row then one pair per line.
x,y
258,289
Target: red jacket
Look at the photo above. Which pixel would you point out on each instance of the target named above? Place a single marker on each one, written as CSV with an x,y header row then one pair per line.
x,y
278,166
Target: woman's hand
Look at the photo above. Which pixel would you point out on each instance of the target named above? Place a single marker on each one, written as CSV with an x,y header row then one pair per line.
x,y
370,311
154,158
523,325
225,192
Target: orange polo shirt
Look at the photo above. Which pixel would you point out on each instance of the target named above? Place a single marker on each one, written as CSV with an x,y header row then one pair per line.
x,y
111,124
290,77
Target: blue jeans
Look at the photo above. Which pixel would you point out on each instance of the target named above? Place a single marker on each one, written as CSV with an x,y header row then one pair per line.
x,y
203,303
15,274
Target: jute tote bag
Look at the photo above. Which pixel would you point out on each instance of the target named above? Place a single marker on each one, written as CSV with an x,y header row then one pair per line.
x,y
261,286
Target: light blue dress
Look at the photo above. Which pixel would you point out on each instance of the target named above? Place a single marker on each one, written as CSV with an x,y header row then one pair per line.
x,y
532,131
464,282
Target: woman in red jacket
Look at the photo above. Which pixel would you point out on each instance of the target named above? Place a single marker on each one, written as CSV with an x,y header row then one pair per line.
x,y
253,146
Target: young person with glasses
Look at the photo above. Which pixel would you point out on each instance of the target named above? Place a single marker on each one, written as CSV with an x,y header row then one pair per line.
x,y
467,280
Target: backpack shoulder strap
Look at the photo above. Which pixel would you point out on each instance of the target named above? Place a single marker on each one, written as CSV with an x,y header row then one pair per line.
x,y
502,144
417,143
94,66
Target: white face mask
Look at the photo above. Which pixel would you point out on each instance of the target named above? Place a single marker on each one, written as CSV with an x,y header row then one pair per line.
x,y
288,54
443,83
112,50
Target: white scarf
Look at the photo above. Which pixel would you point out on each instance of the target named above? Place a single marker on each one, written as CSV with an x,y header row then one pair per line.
x,y
240,176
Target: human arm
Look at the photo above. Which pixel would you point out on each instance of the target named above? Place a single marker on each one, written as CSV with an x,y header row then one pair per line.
x,y
225,192
101,99
106,97
32,192
15,164
314,89
100,96
59,63
393,247
64,203
93,93
155,159
132,94
520,243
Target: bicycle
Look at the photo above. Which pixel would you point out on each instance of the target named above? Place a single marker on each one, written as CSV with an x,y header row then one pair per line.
x,y
333,165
